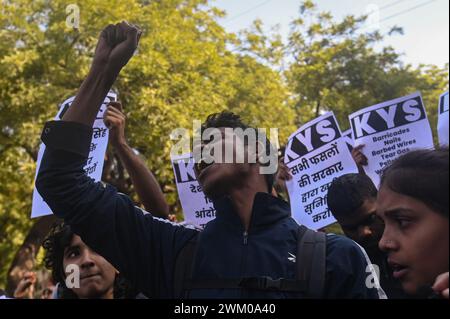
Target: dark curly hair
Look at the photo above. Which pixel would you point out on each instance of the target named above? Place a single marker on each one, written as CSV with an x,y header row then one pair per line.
x,y
54,244
231,120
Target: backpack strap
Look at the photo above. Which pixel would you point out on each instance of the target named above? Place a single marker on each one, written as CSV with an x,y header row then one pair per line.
x,y
183,282
184,264
311,261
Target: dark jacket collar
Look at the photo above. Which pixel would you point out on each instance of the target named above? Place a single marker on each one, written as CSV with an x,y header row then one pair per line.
x,y
267,210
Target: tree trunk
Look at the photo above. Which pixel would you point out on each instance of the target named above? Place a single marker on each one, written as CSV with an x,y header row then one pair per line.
x,y
318,109
25,258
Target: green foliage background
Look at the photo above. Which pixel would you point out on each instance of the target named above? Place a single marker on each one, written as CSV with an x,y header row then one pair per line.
x,y
187,67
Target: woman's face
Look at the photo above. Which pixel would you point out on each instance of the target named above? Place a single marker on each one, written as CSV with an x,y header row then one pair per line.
x,y
416,239
96,275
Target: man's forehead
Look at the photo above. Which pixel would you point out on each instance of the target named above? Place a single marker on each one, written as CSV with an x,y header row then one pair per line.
x,y
76,241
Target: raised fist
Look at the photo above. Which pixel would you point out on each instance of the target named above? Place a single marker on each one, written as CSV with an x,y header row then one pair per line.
x,y
116,46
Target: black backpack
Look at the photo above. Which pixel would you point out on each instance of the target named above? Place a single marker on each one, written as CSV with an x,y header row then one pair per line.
x,y
310,278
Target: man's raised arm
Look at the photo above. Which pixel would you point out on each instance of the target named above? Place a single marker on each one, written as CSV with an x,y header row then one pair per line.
x,y
138,245
115,48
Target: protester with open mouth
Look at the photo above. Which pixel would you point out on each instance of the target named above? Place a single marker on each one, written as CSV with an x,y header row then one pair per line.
x,y
253,249
413,202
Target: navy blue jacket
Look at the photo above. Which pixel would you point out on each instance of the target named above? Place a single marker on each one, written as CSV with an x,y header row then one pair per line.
x,y
144,248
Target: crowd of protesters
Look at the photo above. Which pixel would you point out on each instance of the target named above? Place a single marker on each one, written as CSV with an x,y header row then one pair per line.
x,y
122,251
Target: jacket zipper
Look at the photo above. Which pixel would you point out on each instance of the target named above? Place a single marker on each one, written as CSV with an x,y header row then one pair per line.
x,y
244,259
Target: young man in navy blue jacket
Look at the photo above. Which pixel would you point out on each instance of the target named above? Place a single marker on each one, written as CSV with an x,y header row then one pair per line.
x,y
253,235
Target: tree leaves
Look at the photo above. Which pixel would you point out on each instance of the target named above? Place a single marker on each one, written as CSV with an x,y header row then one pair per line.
x,y
187,66
184,70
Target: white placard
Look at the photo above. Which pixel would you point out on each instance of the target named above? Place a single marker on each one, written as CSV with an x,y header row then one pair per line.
x,y
443,120
94,166
198,209
315,155
390,129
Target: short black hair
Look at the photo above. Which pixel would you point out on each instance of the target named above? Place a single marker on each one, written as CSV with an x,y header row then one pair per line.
x,y
230,120
347,193
55,243
423,175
